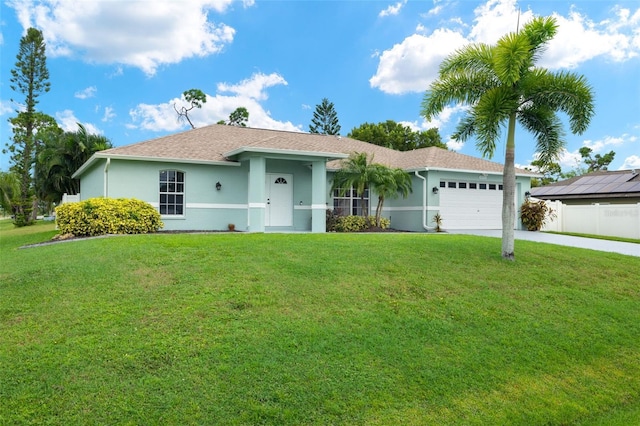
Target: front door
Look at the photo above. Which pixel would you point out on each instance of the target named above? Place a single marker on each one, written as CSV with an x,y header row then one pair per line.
x,y
279,193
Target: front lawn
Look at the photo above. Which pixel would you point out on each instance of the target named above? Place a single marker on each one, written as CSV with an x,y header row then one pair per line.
x,y
303,329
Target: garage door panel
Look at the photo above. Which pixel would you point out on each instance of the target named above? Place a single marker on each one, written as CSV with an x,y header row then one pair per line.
x,y
471,208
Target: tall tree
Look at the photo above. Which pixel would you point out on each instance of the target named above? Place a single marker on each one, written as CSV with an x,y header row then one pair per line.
x,y
325,119
552,172
60,157
597,162
196,98
396,136
501,84
238,117
30,77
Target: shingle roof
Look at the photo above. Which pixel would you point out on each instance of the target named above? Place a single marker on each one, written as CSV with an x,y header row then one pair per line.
x,y
212,144
601,184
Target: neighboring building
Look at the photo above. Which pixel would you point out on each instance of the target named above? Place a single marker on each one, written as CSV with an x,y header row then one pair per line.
x,y
602,187
262,180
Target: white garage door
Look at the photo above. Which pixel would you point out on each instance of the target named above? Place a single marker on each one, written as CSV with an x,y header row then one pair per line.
x,y
471,205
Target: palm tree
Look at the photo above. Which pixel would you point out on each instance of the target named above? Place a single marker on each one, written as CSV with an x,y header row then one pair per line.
x,y
9,191
357,172
390,183
501,85
61,156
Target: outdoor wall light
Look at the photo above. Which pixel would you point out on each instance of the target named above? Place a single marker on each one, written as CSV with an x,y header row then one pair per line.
x,y
435,190
527,194
218,186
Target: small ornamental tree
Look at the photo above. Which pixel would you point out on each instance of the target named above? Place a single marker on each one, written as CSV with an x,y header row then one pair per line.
x,y
535,214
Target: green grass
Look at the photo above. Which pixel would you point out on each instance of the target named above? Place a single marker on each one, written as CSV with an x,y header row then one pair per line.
x,y
304,329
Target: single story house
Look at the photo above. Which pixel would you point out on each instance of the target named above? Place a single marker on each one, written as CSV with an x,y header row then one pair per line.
x,y
270,180
601,187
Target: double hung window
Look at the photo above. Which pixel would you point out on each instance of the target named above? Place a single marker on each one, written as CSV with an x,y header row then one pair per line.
x,y
171,192
350,202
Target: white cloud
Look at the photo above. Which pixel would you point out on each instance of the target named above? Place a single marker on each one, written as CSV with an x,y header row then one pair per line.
x,y
134,33
254,86
631,162
393,9
455,145
436,10
570,160
579,39
5,108
108,114
412,64
89,92
496,18
248,94
69,123
609,141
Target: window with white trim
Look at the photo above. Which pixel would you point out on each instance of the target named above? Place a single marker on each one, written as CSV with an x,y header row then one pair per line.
x,y
349,203
171,193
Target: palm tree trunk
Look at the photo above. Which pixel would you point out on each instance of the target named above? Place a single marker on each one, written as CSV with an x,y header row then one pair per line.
x,y
379,209
508,193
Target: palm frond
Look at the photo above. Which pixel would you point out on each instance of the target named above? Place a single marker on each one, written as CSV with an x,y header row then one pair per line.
x,y
547,128
563,91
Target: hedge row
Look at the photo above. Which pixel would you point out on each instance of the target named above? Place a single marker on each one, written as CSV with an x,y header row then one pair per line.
x,y
354,223
100,216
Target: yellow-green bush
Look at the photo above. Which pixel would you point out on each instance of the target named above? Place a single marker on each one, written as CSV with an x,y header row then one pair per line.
x,y
358,223
100,216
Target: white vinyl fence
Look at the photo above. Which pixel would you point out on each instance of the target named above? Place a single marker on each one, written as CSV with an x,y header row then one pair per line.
x,y
613,220
66,198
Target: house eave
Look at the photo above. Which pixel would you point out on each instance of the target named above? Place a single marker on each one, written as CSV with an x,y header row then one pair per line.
x,y
613,196
472,171
277,151
99,155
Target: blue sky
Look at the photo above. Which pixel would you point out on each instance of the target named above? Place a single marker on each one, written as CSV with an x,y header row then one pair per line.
x,y
119,66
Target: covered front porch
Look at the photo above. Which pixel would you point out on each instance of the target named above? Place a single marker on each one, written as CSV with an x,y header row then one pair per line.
x,y
287,190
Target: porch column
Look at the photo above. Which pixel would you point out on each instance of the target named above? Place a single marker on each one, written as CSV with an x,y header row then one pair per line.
x,y
257,206
319,196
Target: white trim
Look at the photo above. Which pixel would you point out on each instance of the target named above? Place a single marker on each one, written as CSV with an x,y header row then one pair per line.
x,y
318,206
216,206
299,207
479,172
257,205
206,206
242,149
408,209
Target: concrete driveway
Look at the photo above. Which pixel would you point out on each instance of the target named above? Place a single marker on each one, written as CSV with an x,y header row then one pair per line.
x,y
630,249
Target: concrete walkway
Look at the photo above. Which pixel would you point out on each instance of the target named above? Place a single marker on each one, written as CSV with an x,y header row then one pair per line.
x,y
630,249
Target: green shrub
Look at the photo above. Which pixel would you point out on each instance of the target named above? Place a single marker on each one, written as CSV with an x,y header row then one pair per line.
x,y
358,223
332,220
534,214
100,216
